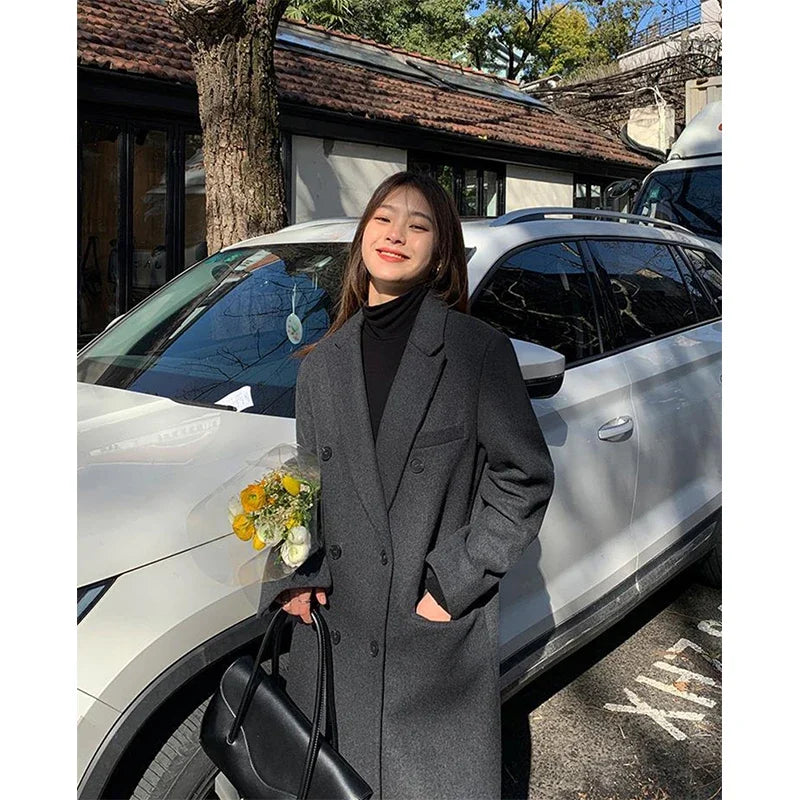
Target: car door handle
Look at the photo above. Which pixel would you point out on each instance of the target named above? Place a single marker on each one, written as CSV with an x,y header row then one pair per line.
x,y
616,430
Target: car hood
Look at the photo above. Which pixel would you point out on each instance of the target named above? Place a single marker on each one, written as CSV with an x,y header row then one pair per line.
x,y
145,464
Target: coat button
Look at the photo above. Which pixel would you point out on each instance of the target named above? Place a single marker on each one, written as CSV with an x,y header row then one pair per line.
x,y
384,558
416,465
335,636
326,453
373,648
335,551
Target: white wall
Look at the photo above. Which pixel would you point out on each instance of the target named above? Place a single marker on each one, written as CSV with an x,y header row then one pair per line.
x,y
332,178
532,186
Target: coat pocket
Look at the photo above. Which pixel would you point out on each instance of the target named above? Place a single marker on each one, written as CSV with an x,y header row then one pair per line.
x,y
439,435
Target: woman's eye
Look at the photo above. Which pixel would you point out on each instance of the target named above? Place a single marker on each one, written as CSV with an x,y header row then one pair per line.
x,y
382,219
419,227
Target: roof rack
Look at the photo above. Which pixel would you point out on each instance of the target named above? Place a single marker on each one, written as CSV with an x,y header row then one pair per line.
x,y
533,214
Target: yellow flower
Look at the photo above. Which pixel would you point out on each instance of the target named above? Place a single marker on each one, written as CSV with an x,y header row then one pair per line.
x,y
253,497
258,544
291,522
292,485
243,527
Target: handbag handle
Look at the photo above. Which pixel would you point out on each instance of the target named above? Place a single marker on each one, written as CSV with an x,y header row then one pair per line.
x,y
322,695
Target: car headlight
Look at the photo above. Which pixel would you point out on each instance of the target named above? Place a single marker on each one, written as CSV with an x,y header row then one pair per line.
x,y
89,595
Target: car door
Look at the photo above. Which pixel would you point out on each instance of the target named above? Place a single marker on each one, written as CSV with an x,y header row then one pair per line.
x,y
543,293
669,333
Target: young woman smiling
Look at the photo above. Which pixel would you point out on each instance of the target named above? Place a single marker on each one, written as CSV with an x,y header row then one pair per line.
x,y
435,478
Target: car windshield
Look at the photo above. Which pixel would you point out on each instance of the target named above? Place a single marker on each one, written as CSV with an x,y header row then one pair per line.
x,y
690,197
222,333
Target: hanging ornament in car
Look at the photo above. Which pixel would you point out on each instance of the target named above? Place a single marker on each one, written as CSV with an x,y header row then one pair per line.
x,y
294,327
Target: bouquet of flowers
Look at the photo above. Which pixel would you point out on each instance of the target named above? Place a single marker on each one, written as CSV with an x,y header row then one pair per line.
x,y
279,509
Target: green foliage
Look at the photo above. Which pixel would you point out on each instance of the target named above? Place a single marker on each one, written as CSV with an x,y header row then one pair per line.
x,y
328,13
518,39
432,27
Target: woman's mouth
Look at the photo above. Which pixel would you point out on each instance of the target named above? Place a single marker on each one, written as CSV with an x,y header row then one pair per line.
x,y
391,256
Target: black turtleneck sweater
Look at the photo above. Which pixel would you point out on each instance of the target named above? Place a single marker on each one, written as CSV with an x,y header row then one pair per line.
x,y
384,335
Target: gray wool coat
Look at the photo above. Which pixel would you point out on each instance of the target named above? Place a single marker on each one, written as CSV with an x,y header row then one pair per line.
x,y
459,478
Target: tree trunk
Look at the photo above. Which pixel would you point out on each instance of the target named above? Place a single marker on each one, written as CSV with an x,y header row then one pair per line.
x,y
231,42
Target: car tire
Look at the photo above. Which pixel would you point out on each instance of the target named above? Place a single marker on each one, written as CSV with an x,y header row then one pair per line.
x,y
180,770
710,568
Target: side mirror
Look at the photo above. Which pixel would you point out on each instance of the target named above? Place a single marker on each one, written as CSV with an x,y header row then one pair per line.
x,y
542,368
621,188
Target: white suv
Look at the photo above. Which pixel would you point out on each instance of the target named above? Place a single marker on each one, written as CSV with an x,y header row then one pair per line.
x,y
616,322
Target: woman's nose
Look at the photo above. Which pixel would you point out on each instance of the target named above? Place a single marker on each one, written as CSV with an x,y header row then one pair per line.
x,y
395,233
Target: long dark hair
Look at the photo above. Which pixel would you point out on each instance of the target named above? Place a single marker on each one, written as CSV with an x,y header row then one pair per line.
x,y
449,283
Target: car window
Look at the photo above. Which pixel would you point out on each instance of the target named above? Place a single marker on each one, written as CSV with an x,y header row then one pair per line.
x,y
223,332
541,294
690,197
708,268
646,286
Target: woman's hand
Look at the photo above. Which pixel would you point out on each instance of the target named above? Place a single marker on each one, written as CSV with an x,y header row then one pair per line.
x,y
298,602
430,609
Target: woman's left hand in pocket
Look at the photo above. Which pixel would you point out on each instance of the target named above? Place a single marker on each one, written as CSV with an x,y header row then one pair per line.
x,y
431,610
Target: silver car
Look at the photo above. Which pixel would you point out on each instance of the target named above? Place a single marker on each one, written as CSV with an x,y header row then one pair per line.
x,y
616,321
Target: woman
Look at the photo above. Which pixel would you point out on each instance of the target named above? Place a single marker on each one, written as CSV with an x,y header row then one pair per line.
x,y
435,479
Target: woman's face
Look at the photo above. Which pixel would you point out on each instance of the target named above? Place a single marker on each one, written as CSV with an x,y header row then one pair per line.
x,y
398,241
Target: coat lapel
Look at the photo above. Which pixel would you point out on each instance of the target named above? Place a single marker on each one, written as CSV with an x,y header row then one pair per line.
x,y
411,393
376,468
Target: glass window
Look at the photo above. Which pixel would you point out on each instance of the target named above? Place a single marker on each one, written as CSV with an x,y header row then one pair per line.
x,y
647,288
541,294
194,181
149,213
223,331
476,190
690,197
99,290
470,202
444,174
708,269
489,193
579,199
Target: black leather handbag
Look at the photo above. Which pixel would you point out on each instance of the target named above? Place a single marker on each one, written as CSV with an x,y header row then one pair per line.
x,y
264,744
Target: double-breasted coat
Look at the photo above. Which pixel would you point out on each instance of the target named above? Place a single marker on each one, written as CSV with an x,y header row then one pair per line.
x,y
459,479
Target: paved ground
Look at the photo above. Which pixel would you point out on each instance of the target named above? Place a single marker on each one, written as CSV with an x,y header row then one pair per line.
x,y
634,716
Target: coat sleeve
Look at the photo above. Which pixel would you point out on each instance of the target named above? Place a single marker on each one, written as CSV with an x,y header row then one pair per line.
x,y
314,572
515,488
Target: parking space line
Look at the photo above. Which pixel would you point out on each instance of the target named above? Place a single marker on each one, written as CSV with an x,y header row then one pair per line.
x,y
670,689
657,715
685,674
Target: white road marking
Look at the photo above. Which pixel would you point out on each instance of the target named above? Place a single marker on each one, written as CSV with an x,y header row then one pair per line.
x,y
685,674
711,626
670,689
657,715
680,646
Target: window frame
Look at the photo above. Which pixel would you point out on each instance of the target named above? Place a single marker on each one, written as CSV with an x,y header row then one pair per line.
x,y
604,308
175,220
591,279
614,311
680,250
460,166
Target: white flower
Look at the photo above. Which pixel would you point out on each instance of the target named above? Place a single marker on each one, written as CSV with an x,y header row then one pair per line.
x,y
294,555
234,508
299,534
268,531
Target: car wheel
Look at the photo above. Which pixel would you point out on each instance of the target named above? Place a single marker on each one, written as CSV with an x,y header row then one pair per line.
x,y
181,770
710,568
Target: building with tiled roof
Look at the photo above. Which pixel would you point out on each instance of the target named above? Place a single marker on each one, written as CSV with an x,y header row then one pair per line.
x,y
351,112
